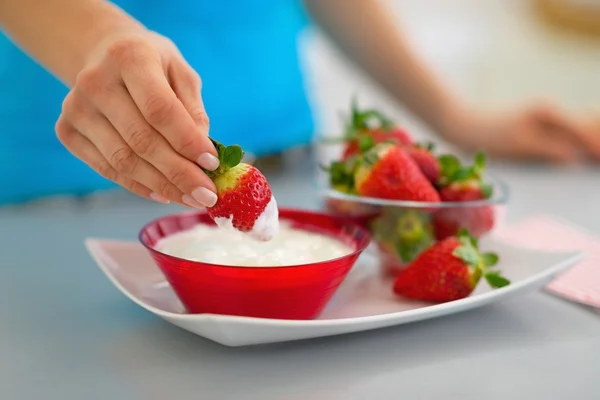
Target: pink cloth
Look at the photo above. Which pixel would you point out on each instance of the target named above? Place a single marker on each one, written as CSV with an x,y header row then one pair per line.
x,y
582,282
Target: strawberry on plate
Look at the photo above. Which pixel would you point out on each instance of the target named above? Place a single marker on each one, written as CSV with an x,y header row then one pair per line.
x,y
388,172
245,201
449,270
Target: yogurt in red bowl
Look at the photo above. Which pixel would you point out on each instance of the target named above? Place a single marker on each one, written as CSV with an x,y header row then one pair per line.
x,y
220,271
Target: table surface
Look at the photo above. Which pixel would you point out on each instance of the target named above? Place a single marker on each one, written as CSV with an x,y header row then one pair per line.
x,y
67,333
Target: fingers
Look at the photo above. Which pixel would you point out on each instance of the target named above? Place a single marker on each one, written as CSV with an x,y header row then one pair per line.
x,y
560,123
166,113
558,150
187,87
532,141
83,149
113,148
140,118
148,144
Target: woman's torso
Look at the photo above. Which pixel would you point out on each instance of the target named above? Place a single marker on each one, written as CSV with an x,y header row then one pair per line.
x,y
245,52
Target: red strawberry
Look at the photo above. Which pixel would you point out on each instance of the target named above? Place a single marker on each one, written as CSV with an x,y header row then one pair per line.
x,y
478,220
368,128
427,162
244,200
366,139
463,184
459,183
388,172
447,271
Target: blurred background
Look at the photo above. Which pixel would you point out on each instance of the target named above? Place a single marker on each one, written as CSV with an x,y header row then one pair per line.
x,y
491,51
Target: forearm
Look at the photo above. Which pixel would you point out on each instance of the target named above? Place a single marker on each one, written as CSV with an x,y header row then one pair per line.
x,y
366,33
61,34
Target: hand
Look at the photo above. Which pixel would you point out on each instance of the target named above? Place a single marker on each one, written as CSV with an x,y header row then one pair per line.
x,y
135,115
541,132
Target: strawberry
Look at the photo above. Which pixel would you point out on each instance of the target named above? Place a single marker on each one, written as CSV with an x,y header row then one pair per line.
x,y
447,271
479,220
427,161
401,235
368,128
245,201
459,183
462,184
388,172
365,139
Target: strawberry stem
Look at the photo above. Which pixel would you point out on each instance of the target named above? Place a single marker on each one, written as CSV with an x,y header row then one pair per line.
x,y
452,171
360,119
229,157
468,252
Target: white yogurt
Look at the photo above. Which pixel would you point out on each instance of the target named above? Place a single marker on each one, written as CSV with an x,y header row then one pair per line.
x,y
289,246
265,227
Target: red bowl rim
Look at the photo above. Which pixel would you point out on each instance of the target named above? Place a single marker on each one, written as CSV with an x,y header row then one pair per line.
x,y
340,219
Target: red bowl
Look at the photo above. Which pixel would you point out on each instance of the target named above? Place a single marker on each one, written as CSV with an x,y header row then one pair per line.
x,y
289,292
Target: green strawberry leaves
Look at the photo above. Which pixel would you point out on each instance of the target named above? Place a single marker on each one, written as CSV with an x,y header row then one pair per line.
x,y
229,157
452,171
365,142
490,259
371,157
495,280
341,173
407,232
232,156
480,163
464,236
450,167
469,253
486,189
413,234
365,119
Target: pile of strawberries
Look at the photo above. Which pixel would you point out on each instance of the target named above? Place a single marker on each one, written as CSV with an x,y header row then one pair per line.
x,y
431,249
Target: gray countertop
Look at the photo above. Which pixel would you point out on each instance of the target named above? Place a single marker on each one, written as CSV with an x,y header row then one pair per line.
x,y
67,333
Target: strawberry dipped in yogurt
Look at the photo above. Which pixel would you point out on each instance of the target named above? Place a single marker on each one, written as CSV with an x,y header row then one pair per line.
x,y
245,201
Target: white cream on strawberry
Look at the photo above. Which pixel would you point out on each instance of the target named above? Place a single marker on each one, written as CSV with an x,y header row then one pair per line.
x,y
289,246
265,227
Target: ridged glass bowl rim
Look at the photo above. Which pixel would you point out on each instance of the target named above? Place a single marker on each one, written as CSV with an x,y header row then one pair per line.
x,y
500,197
341,220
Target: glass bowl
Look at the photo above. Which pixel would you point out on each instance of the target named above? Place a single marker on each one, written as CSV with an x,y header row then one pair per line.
x,y
295,292
402,229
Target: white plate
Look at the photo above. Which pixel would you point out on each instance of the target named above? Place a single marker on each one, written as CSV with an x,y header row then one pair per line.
x,y
364,301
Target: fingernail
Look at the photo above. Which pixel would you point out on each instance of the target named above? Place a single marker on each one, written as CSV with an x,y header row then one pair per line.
x,y
204,196
208,161
189,200
157,197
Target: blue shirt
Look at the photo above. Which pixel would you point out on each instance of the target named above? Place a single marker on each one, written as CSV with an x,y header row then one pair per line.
x,y
245,52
